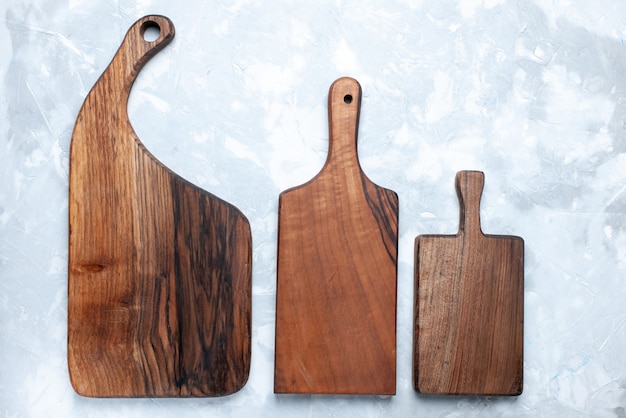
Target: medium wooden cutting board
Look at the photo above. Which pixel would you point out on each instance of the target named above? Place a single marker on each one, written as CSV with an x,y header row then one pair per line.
x,y
159,270
336,286
469,306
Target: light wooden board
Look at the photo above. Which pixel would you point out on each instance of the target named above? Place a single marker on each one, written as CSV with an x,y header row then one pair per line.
x,y
336,288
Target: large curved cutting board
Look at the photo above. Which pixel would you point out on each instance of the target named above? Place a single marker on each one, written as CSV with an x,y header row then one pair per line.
x,y
159,270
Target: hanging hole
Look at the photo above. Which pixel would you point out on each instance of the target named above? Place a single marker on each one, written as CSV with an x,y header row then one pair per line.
x,y
347,99
150,31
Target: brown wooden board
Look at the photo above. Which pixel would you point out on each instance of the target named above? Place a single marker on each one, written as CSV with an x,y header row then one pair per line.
x,y
336,285
468,334
159,270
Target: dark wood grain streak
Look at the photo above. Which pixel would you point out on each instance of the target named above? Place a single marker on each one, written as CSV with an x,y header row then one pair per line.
x,y
382,203
159,292
469,293
337,265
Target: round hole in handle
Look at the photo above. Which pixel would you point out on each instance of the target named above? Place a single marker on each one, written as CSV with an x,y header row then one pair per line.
x,y
150,31
347,99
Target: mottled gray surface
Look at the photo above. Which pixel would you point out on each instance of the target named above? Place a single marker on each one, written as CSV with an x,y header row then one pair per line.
x,y
531,92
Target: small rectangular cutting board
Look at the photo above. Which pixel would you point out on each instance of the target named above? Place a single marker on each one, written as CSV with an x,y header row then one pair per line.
x,y
468,317
336,285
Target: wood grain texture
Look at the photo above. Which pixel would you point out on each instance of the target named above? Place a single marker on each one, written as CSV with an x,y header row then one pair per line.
x,y
336,284
159,299
468,335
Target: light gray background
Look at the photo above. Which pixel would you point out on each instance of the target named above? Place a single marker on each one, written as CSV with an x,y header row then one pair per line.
x,y
531,92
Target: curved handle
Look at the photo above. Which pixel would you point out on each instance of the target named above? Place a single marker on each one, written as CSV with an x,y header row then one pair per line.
x,y
344,107
135,50
469,188
103,117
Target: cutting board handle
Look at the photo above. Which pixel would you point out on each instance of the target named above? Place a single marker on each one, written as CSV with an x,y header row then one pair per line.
x,y
344,107
135,50
469,188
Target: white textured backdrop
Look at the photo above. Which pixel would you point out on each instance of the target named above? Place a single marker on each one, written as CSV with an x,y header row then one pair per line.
x,y
533,93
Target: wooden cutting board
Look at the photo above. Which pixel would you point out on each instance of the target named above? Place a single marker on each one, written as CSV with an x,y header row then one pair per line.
x,y
159,270
336,287
469,306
